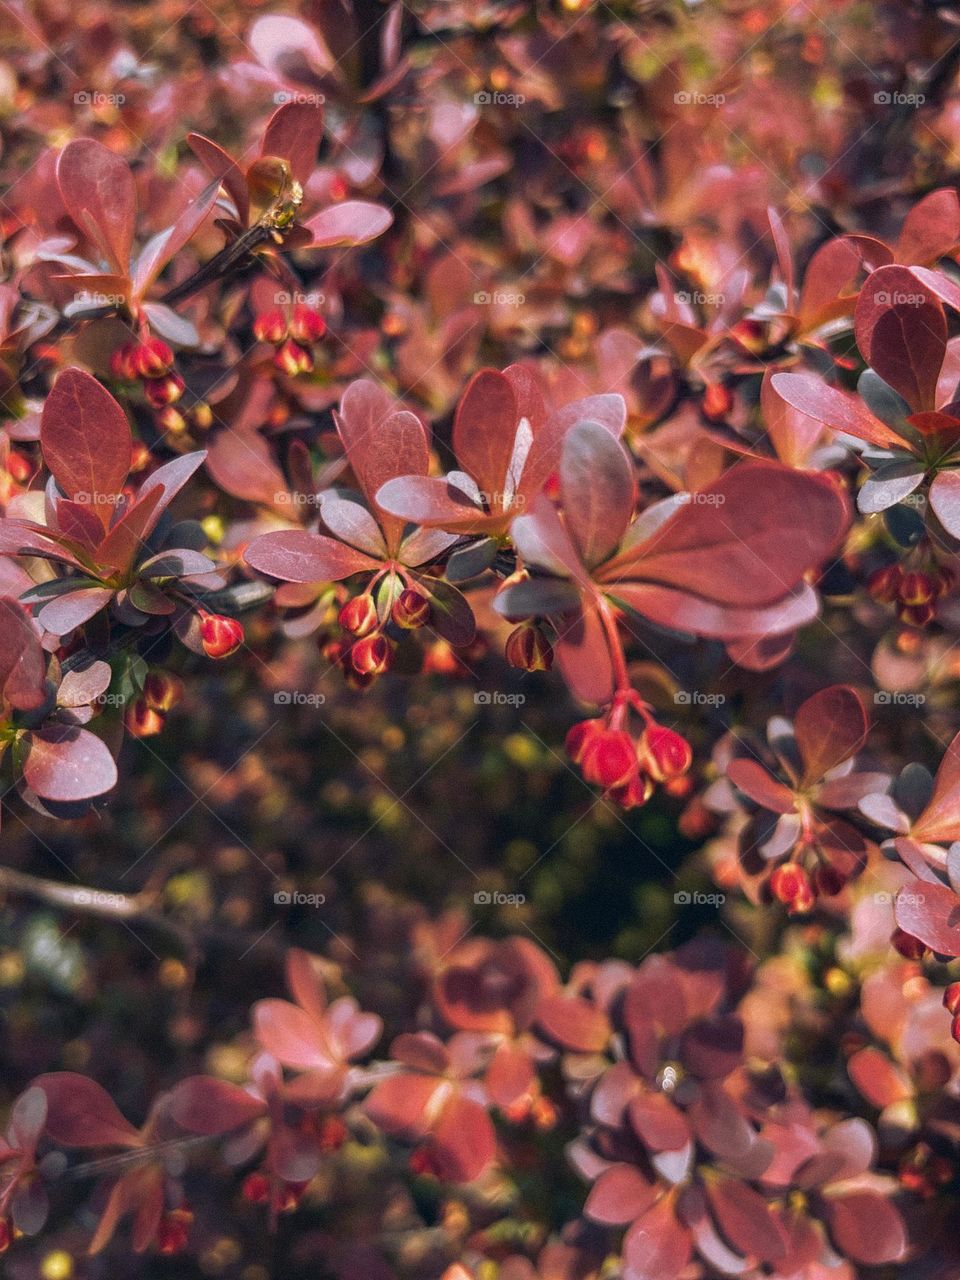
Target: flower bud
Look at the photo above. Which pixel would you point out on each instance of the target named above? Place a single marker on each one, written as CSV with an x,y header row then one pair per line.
x,y
306,325
884,584
163,391
292,359
141,720
528,649
359,615
917,588
151,358
791,885
256,1188
201,416
579,737
172,421
717,402
610,759
371,656
664,754
951,998
917,615
162,690
220,635
411,609
636,791
172,1232
19,466
121,362
271,326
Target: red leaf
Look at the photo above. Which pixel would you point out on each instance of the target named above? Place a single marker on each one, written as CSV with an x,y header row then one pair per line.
x,y
866,1228
931,912
880,1082
293,132
747,540
65,764
574,1023
901,331
750,777
837,409
656,1247
619,1196
294,555
830,727
98,191
225,169
599,490
86,441
291,1035
657,1122
464,1142
940,821
23,663
745,1219
351,223
484,429
931,230
203,1104
82,1114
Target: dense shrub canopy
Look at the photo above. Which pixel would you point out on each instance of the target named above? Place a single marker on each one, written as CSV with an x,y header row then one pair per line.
x,y
479,594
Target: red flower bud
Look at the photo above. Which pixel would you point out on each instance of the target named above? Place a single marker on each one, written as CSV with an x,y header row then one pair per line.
x,y
884,584
256,1188
173,1231
141,720
162,690
292,359
359,615
220,635
528,649
306,325
19,466
955,1028
163,391
635,792
121,362
371,656
907,945
717,402
271,326
917,588
151,359
664,754
411,609
610,759
579,737
790,885
951,998
171,420
917,615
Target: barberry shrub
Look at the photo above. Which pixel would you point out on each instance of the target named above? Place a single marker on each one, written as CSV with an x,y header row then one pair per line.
x,y
479,594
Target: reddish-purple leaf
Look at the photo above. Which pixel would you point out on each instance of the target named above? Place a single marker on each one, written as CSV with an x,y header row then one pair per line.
x,y
224,169
86,441
573,1023
656,1247
351,223
830,727
901,330
750,777
203,1104
82,1114
837,409
73,609
930,912
98,191
65,764
619,1196
599,490
483,432
294,555
293,132
931,229
940,821
866,1227
745,540
22,661
745,1219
